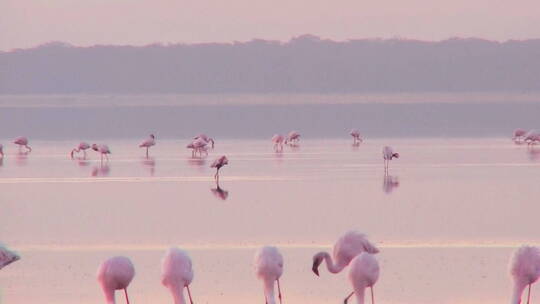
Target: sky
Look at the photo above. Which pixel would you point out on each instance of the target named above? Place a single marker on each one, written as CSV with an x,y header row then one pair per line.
x,y
29,23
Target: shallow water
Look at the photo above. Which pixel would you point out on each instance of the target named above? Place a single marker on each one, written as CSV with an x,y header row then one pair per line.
x,y
446,219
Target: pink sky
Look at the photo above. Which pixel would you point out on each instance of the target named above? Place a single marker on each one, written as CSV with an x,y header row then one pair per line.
x,y
86,22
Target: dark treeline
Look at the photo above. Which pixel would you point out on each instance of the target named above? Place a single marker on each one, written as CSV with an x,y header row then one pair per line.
x,y
305,64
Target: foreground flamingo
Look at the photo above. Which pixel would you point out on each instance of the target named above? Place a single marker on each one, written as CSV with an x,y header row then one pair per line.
x,y
388,155
177,274
147,143
22,142
525,270
278,139
269,268
293,138
102,149
81,147
346,248
205,138
356,136
7,257
519,135
114,274
363,273
218,163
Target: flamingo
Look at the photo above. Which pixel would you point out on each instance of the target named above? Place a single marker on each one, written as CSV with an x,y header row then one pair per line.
x,y
22,142
1,151
114,274
82,146
363,273
388,155
532,137
7,257
519,135
205,138
198,145
102,149
356,136
525,270
278,139
293,138
177,273
147,143
269,268
218,163
349,245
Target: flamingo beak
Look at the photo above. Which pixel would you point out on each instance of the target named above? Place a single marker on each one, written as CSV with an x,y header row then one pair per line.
x,y
316,262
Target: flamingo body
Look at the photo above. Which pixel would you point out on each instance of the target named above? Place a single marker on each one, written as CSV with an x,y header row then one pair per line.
x,y
205,138
525,271
102,150
519,134
147,143
363,273
278,140
218,164
83,146
7,257
22,142
269,268
114,274
293,138
355,135
177,273
388,155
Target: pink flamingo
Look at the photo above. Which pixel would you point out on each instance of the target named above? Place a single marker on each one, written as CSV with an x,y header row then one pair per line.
x,y
205,138
519,135
22,142
177,274
346,248
198,146
363,273
388,154
269,268
278,139
102,149
147,143
81,147
532,138
114,274
356,136
293,138
525,270
7,257
1,151
218,163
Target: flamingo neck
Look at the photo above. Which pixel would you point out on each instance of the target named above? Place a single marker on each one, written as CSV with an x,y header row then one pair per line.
x,y
359,294
109,295
178,294
269,291
333,268
517,293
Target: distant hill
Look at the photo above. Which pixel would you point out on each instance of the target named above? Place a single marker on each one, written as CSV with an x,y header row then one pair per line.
x,y
305,64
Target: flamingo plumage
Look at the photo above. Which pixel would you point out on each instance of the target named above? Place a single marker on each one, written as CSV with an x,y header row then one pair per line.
x,y
363,273
7,257
147,143
218,164
177,274
205,137
22,142
115,274
388,155
102,150
269,268
292,138
278,140
82,146
356,136
525,271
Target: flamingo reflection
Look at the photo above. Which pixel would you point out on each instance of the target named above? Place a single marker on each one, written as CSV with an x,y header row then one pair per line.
x,y
150,163
21,158
390,183
534,154
101,170
220,192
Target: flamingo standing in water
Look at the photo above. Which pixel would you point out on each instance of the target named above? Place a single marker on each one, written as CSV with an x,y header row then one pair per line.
x,y
346,248
293,138
177,274
269,268
83,146
356,136
388,155
114,274
22,142
205,138
525,270
102,149
278,139
363,273
147,143
7,257
519,135
198,146
532,137
218,163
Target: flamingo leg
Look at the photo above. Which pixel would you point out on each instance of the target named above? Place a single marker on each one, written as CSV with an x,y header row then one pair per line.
x,y
279,291
84,154
529,294
127,298
107,157
189,294
146,152
372,296
29,149
348,297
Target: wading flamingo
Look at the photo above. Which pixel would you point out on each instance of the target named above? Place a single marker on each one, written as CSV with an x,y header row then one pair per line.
x,y
7,257
388,154
346,248
363,273
269,268
147,143
525,270
22,142
198,146
218,163
81,147
102,149
114,274
519,135
278,139
177,274
205,138
293,138
356,136
532,137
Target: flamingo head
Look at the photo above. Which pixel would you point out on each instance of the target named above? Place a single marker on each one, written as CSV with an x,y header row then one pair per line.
x,y
9,257
396,155
317,261
152,136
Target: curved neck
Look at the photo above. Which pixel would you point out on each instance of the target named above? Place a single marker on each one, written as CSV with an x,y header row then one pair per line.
x,y
109,295
178,295
269,291
359,293
333,268
517,293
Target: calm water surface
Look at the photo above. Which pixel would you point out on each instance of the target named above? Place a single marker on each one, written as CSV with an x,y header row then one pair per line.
x,y
446,219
